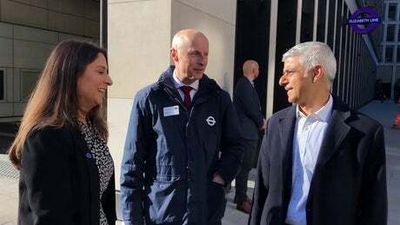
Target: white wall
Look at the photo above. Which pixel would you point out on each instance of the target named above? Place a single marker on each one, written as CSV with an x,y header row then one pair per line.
x,y
216,19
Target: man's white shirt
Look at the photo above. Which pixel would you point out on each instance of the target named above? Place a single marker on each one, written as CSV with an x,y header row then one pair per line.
x,y
308,136
178,84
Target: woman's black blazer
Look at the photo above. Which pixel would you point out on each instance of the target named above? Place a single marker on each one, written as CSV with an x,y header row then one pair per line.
x,y
59,181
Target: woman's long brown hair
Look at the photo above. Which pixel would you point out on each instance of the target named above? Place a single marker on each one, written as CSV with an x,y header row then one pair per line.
x,y
54,101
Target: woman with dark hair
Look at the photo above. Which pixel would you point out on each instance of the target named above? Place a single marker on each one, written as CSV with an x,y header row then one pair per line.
x,y
66,170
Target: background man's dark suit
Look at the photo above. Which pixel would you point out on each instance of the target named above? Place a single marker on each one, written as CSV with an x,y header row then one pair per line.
x,y
349,181
247,104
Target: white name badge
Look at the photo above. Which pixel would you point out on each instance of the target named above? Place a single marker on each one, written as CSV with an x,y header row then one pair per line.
x,y
171,111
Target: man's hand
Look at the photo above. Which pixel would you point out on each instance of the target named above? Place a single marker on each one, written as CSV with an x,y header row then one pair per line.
x,y
264,125
218,179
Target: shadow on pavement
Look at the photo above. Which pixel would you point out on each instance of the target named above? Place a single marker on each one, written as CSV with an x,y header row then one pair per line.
x,y
7,134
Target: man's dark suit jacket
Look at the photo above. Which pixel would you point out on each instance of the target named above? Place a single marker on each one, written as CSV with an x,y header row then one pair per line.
x,y
59,181
247,104
349,181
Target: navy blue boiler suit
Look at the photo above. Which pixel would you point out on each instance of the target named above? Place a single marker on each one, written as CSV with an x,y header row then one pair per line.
x,y
171,154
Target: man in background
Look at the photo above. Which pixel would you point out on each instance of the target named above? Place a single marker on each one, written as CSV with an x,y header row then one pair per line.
x,y
247,104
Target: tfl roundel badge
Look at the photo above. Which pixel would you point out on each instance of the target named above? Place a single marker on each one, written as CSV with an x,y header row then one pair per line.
x,y
210,121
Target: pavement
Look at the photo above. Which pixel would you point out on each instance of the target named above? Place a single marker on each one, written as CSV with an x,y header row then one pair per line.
x,y
383,112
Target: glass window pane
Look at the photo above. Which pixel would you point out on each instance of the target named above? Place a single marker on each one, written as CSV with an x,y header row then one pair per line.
x,y
391,16
390,32
2,83
389,54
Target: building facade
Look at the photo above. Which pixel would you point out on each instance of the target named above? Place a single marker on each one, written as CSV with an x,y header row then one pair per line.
x,y
29,29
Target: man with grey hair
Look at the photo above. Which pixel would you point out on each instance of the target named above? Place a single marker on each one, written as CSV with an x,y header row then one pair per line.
x,y
320,162
183,144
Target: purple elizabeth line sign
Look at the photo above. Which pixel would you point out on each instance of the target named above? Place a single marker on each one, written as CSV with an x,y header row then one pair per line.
x,y
370,22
